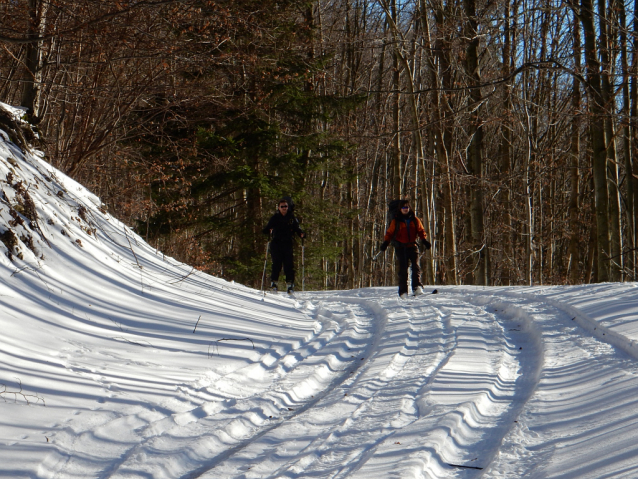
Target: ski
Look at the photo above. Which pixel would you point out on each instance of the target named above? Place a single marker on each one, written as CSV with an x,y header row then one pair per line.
x,y
464,467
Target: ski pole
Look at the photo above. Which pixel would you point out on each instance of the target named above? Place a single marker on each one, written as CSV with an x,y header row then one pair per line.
x,y
303,265
374,258
263,276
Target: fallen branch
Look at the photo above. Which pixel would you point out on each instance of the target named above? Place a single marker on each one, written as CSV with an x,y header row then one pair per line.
x,y
200,317
4,392
133,342
17,271
180,280
129,243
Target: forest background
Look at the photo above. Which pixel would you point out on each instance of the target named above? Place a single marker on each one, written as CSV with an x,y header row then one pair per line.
x,y
510,124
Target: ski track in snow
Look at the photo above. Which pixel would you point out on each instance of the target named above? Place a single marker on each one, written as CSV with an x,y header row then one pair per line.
x,y
234,406
288,413
584,382
510,346
468,377
326,416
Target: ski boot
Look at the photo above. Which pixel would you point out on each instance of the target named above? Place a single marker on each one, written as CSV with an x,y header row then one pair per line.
x,y
418,291
273,287
291,288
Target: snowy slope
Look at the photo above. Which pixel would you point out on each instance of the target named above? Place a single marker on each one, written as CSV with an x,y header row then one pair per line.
x,y
117,362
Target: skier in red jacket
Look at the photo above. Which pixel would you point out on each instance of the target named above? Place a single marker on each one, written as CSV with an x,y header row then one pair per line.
x,y
403,232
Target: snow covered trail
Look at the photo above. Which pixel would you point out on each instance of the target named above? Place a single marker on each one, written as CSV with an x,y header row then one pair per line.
x,y
466,383
475,384
382,388
223,410
407,411
581,420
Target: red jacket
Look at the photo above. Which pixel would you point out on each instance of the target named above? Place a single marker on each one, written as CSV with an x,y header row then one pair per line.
x,y
408,231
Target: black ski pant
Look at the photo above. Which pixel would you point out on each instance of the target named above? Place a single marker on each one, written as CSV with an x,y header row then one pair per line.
x,y
281,253
408,256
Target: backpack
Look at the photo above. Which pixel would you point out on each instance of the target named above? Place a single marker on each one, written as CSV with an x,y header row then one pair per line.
x,y
393,212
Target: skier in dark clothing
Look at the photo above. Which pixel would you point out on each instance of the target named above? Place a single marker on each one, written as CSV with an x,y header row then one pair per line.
x,y
282,226
402,233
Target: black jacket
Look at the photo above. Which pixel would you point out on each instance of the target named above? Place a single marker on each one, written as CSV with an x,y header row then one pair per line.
x,y
283,227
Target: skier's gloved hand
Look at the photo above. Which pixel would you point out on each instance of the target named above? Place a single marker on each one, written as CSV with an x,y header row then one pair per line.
x,y
384,245
426,244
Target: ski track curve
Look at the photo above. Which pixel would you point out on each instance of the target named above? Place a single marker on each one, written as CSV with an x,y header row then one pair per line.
x,y
236,406
421,375
374,319
453,385
331,419
583,393
329,394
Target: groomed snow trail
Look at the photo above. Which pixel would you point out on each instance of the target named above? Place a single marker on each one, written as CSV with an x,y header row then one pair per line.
x,y
383,388
581,420
449,374
467,383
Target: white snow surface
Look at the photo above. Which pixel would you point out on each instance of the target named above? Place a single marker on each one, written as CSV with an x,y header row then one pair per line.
x,y
118,362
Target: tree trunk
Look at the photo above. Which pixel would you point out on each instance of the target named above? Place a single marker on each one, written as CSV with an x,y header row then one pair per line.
x,y
440,77
34,56
627,143
607,64
599,147
397,173
475,149
633,122
505,154
574,200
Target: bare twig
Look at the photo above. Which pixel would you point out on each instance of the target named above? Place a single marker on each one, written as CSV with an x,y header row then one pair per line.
x,y
17,271
129,243
464,467
200,317
4,392
133,342
119,325
180,280
40,277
